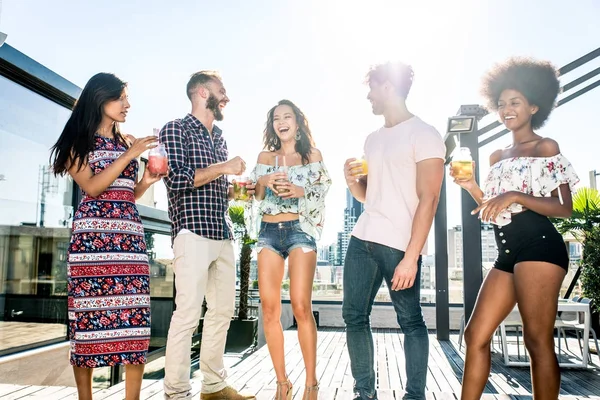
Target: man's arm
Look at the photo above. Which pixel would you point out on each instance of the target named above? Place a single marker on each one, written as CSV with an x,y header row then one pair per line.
x,y
430,173
202,176
181,176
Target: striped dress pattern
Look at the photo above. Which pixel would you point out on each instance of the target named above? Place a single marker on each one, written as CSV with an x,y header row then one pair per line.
x,y
108,271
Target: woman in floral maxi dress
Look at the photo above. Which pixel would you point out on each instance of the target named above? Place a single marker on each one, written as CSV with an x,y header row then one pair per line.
x,y
108,271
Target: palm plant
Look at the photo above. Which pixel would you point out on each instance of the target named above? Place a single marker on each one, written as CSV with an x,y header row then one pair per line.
x,y
584,225
236,213
586,214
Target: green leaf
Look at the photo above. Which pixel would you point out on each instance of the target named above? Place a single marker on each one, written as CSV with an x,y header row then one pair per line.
x,y
236,213
584,225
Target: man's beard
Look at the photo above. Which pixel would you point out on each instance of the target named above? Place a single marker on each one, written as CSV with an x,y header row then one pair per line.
x,y
212,103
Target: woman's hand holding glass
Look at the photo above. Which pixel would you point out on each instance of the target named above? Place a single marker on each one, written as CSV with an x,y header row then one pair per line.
x,y
288,190
272,181
467,184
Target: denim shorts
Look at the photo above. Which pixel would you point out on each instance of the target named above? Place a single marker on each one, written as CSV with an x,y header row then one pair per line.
x,y
283,237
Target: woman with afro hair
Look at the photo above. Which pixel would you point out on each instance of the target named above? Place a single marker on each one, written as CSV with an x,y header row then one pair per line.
x,y
528,182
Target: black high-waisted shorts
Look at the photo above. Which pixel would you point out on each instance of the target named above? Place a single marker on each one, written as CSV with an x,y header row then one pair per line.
x,y
529,237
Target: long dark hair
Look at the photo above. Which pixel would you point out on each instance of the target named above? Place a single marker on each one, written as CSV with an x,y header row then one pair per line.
x,y
304,144
77,138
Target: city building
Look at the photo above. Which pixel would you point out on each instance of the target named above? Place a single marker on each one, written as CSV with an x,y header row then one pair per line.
x,y
353,210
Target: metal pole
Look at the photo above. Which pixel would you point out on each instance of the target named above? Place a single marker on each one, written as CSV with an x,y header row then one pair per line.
x,y
471,232
442,307
593,175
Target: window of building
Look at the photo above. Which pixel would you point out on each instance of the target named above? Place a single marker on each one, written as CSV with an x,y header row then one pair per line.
x,y
35,221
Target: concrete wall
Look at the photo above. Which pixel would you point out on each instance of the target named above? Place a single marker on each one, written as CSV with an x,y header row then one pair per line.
x,y
382,316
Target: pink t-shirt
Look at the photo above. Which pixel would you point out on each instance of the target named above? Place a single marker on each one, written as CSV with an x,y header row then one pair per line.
x,y
392,155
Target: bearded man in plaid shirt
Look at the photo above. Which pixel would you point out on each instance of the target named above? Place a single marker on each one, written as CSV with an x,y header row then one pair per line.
x,y
202,236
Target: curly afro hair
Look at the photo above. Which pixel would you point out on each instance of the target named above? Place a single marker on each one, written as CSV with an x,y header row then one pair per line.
x,y
536,80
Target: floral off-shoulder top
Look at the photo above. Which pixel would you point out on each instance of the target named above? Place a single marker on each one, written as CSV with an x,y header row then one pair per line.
x,y
535,176
315,180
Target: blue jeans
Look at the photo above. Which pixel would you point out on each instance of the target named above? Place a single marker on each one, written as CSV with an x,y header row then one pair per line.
x,y
366,265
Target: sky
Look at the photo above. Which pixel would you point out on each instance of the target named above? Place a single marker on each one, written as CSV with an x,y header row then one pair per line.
x,y
315,53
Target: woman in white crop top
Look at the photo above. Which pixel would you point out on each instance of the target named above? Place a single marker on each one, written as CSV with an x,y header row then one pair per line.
x,y
291,208
528,182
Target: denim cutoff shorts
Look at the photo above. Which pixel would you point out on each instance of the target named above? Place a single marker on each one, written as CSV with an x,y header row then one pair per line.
x,y
283,237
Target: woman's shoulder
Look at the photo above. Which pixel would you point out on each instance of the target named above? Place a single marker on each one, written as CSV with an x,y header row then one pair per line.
x,y
265,157
315,155
547,147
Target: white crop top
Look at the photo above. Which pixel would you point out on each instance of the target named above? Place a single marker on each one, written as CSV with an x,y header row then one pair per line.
x,y
315,180
535,176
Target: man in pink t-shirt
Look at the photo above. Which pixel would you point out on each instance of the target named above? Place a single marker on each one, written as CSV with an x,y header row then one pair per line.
x,y
405,161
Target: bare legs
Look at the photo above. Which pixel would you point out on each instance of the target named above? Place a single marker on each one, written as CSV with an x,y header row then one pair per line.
x,y
133,382
495,301
83,379
302,274
538,286
270,275
535,287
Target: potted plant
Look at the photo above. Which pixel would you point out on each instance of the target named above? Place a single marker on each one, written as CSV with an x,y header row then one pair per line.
x,y
584,225
243,329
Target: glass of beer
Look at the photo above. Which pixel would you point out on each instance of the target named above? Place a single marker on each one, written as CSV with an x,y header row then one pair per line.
x,y
240,188
281,166
462,164
360,163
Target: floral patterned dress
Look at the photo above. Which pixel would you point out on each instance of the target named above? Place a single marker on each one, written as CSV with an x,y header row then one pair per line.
x,y
108,271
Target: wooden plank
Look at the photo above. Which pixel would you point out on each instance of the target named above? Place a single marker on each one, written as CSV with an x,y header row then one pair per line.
x,y
25,392
333,358
8,388
392,363
73,394
383,380
255,373
385,394
267,393
344,394
327,393
326,362
65,391
450,379
55,392
447,396
400,360
429,395
342,371
151,388
441,373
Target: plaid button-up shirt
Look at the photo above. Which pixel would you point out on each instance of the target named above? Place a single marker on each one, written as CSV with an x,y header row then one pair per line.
x,y
202,210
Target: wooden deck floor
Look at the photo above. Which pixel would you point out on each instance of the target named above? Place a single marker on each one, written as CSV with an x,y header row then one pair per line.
x,y
255,373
